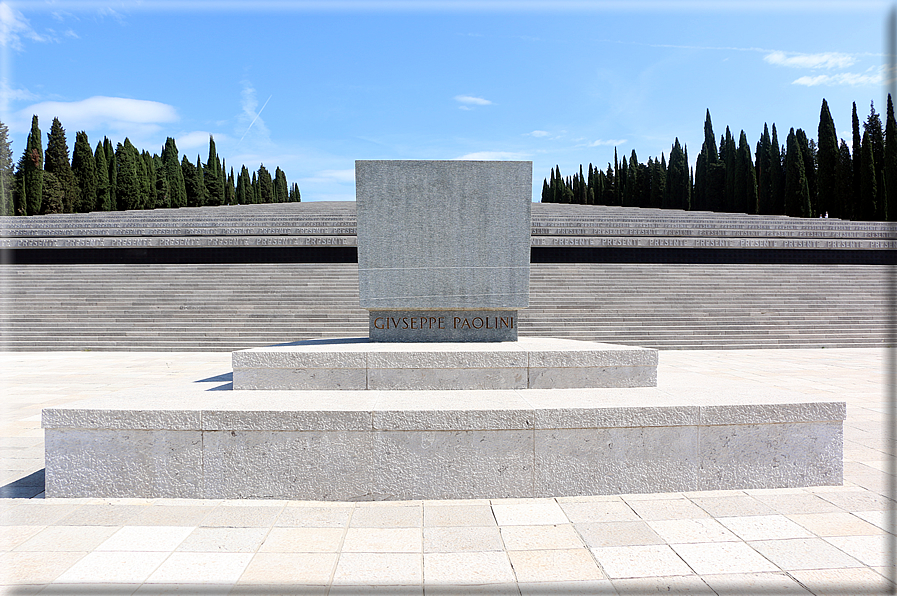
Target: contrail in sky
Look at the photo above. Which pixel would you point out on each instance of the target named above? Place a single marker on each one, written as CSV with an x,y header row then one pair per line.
x,y
256,118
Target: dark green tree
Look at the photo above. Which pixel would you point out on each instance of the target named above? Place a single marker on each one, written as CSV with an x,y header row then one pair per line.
x,y
174,176
56,161
846,203
33,170
162,190
104,196
295,195
745,180
281,189
229,189
708,159
128,191
728,153
676,189
867,207
266,185
243,194
873,126
53,194
212,176
890,166
84,167
764,173
19,202
828,164
113,171
808,155
148,180
777,175
797,192
857,153
7,177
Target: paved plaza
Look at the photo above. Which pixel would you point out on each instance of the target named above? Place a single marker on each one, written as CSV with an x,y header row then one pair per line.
x,y
816,540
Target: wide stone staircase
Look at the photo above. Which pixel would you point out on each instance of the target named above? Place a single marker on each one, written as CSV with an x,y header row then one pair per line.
x,y
232,306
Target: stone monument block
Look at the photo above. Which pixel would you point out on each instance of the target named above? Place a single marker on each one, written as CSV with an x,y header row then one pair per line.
x,y
443,248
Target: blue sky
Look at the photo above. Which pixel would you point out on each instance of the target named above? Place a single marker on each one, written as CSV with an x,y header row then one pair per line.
x,y
312,86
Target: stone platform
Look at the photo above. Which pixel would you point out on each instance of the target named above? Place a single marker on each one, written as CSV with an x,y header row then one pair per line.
x,y
189,442
529,363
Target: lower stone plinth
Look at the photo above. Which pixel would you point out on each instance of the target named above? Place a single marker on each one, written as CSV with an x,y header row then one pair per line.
x,y
184,442
529,363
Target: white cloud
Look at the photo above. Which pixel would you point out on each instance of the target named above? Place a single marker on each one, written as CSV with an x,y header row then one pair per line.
x,y
600,142
197,138
14,26
471,100
131,116
538,133
845,78
492,156
822,60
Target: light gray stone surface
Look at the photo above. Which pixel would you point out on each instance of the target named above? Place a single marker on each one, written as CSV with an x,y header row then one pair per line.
x,y
364,444
93,462
436,235
560,363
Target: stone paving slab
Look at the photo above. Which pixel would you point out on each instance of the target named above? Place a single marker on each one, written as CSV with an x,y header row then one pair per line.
x,y
813,540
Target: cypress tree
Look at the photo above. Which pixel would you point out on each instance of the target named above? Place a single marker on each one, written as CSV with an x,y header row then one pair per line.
x,y
229,189
162,198
113,171
708,157
53,194
728,155
104,196
19,202
266,185
295,195
808,155
873,126
764,173
243,194
745,180
255,188
829,164
281,190
797,193
776,175
33,170
202,193
56,161
658,183
867,207
857,163
890,165
149,178
173,174
546,191
676,189
845,206
211,174
7,178
127,181
84,168
623,181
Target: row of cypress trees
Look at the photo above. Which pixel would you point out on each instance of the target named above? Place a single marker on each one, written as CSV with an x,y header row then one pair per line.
x,y
122,177
802,178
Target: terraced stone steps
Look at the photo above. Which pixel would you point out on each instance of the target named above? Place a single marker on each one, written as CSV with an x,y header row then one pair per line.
x,y
229,307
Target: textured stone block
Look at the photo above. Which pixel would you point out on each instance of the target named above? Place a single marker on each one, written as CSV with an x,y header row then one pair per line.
x,y
771,455
453,464
603,461
326,466
123,463
300,378
447,378
592,376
